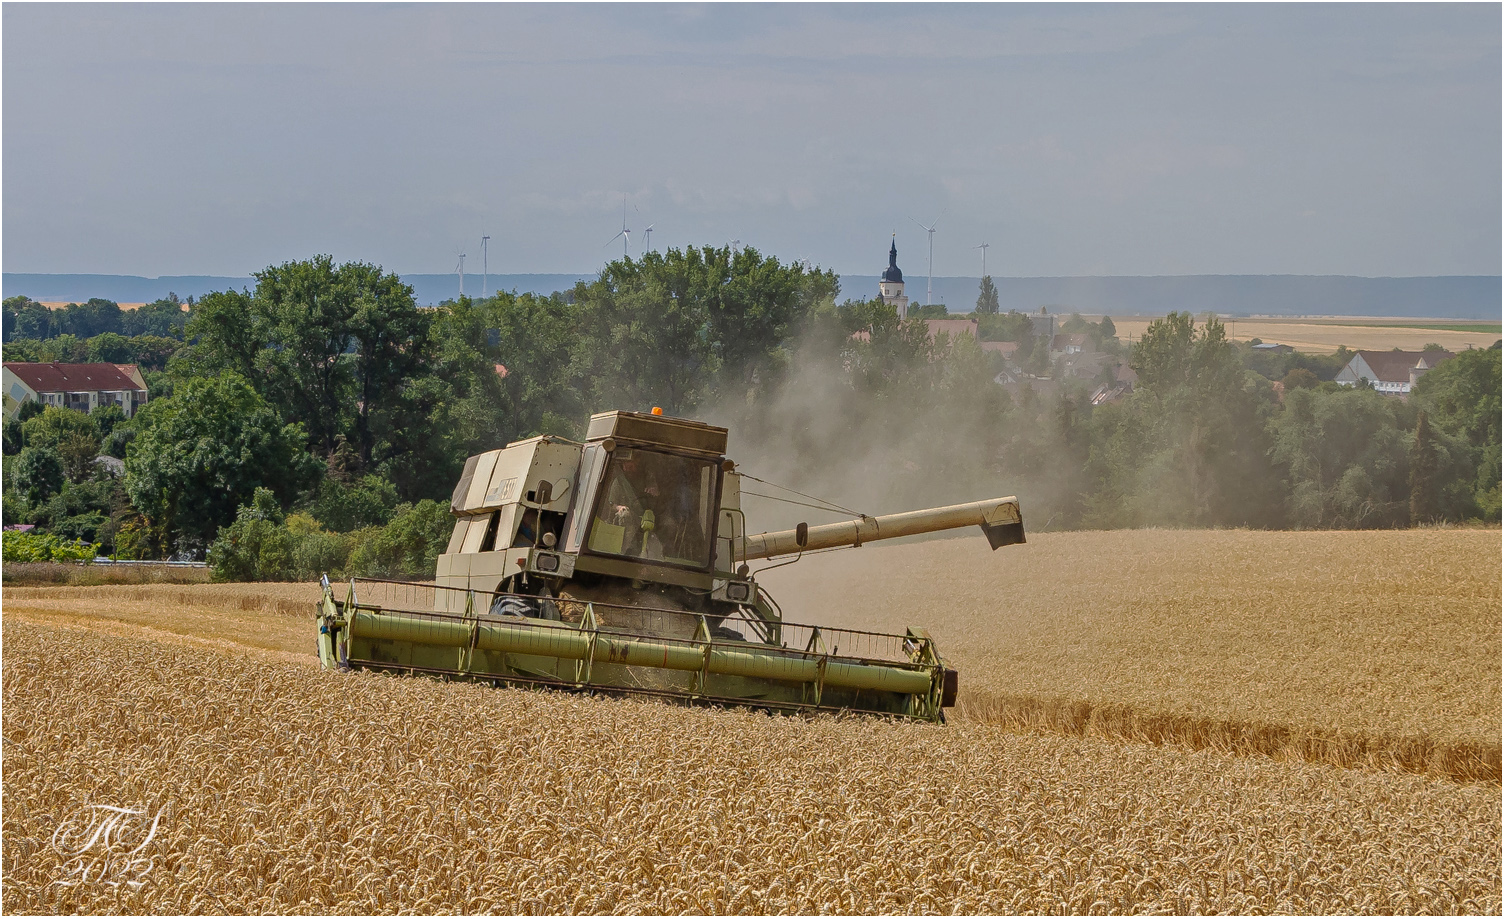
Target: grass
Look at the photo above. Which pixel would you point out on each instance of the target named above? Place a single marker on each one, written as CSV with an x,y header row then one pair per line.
x,y
284,789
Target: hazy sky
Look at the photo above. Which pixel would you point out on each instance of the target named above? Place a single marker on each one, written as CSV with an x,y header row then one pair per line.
x,y
1075,139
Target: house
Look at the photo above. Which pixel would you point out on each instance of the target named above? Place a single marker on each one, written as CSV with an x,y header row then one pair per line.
x,y
83,387
1063,344
1390,372
1124,379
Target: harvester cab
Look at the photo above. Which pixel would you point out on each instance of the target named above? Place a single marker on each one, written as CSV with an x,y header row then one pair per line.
x,y
623,564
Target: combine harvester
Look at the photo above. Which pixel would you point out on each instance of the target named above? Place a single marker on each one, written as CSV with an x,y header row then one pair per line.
x,y
621,565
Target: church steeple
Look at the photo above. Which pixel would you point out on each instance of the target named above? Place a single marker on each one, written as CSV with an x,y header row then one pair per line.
x,y
891,283
893,274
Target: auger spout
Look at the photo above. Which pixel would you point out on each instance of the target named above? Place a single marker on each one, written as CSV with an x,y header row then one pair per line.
x,y
999,518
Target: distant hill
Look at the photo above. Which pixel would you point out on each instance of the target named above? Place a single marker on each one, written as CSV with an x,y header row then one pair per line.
x,y
1450,297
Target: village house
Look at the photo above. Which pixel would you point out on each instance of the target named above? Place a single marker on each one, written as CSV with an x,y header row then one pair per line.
x,y
1390,372
82,387
1068,343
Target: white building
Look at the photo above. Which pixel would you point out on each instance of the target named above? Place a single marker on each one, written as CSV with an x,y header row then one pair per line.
x,y
1390,372
83,387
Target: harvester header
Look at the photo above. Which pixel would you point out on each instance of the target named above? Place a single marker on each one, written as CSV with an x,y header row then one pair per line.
x,y
622,564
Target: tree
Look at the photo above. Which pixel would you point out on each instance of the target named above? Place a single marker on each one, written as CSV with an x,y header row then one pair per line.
x,y
78,451
202,452
39,474
53,425
1345,454
1462,398
26,318
340,349
674,327
987,297
85,320
166,318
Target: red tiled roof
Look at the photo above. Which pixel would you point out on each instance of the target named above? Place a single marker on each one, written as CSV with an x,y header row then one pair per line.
x,y
72,377
1062,340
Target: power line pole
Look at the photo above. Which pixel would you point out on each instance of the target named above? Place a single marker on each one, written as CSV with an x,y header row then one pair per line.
x,y
484,240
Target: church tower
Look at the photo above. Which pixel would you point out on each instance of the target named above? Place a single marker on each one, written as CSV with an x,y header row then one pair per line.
x,y
891,285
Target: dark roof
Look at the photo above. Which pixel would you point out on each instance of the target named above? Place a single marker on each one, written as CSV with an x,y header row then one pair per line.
x,y
892,272
1395,366
72,377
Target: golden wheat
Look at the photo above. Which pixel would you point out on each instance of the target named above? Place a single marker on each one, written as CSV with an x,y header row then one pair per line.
x,y
285,789
1325,335
1378,647
1373,648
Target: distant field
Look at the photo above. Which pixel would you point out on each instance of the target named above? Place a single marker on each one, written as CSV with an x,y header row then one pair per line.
x,y
59,304
1324,335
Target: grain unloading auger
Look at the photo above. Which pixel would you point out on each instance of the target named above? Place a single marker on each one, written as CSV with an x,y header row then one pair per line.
x,y
621,565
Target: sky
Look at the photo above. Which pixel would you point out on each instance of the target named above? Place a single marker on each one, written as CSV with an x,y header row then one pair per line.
x,y
1072,139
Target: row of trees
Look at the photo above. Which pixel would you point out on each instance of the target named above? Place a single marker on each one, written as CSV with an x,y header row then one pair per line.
x,y
25,318
323,411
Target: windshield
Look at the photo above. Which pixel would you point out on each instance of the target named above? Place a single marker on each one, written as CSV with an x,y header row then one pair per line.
x,y
655,507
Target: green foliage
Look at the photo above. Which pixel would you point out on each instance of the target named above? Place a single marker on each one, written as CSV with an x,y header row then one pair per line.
x,y
54,425
1462,395
927,311
671,329
24,318
407,547
264,545
165,318
343,506
39,474
1346,457
987,297
204,451
341,350
256,546
1010,326
44,547
14,437
77,451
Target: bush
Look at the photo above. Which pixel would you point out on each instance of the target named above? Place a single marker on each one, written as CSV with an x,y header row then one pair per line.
x,y
44,547
263,546
343,507
408,547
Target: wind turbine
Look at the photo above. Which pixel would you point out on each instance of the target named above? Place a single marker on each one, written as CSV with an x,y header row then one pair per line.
x,y
460,270
647,234
929,278
626,234
984,248
484,240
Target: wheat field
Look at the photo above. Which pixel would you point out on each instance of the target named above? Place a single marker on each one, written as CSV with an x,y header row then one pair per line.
x,y
279,788
1324,335
1151,721
1336,646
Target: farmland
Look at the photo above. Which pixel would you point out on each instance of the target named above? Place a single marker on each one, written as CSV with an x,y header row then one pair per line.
x,y
1325,334
1097,765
